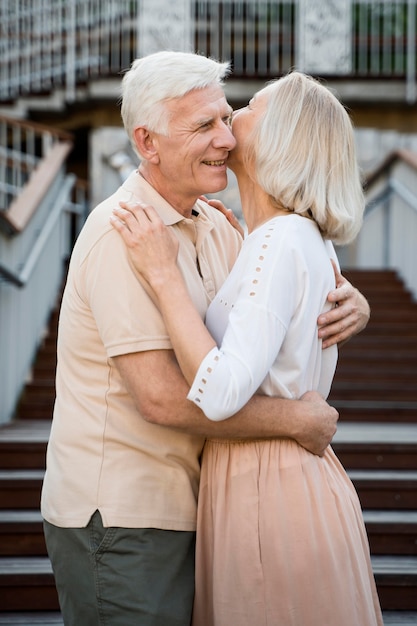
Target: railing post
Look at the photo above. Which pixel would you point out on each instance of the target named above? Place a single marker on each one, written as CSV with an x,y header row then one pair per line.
x,y
411,53
324,37
386,243
164,24
70,49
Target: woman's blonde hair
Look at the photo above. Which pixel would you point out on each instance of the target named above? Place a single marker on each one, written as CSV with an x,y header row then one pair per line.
x,y
304,155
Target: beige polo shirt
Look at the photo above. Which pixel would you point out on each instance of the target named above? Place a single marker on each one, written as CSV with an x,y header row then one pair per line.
x,y
102,454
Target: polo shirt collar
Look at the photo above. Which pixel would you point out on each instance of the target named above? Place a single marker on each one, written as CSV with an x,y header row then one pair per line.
x,y
143,192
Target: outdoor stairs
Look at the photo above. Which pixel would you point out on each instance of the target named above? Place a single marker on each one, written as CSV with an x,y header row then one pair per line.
x,y
375,391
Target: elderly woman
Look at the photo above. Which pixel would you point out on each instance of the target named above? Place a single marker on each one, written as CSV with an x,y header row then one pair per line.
x,y
280,537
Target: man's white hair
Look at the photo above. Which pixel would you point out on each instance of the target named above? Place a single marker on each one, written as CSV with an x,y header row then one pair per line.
x,y
155,79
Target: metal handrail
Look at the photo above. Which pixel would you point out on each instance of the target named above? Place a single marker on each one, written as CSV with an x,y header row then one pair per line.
x,y
387,238
61,204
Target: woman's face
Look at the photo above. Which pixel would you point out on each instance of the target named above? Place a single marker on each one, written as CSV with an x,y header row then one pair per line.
x,y
243,123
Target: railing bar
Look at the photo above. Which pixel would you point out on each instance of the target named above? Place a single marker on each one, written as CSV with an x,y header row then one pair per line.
x,y
129,42
398,46
53,216
289,15
386,240
387,34
13,67
3,166
6,275
225,50
404,193
15,160
35,59
262,37
274,42
354,41
251,17
215,26
238,33
195,18
133,34
374,34
102,29
21,279
45,59
30,147
8,155
411,52
382,197
70,50
363,38
114,36
11,190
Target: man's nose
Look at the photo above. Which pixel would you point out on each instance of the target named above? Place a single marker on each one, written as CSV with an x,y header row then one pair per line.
x,y
225,138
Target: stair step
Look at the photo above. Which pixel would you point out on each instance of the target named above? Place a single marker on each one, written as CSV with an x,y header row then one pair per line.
x,y
23,444
370,355
370,390
391,618
367,445
374,278
50,618
389,342
392,532
367,358
20,489
386,489
37,398
36,412
396,579
40,389
44,372
47,356
398,618
21,533
383,311
27,583
374,411
382,372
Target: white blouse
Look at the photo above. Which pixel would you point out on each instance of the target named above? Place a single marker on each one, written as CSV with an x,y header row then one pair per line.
x,y
264,320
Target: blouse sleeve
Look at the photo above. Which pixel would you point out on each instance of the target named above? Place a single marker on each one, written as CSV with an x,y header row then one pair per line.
x,y
229,376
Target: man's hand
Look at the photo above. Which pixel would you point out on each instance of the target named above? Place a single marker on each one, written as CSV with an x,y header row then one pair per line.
x,y
316,432
349,316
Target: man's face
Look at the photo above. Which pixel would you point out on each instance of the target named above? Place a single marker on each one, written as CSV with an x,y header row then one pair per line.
x,y
193,159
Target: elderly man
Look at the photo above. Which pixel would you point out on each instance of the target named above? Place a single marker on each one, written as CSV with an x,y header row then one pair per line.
x,y
120,490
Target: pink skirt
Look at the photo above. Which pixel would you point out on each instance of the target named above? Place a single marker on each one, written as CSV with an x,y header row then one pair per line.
x,y
280,540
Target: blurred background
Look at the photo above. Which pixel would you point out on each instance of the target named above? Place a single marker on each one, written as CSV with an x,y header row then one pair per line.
x,y
63,150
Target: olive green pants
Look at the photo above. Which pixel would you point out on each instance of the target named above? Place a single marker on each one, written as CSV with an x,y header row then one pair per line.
x,y
122,576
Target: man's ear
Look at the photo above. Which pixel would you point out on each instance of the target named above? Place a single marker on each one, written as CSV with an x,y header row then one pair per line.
x,y
147,144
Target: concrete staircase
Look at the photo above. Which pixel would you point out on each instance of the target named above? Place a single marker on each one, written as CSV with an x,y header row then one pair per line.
x,y
27,589
375,391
